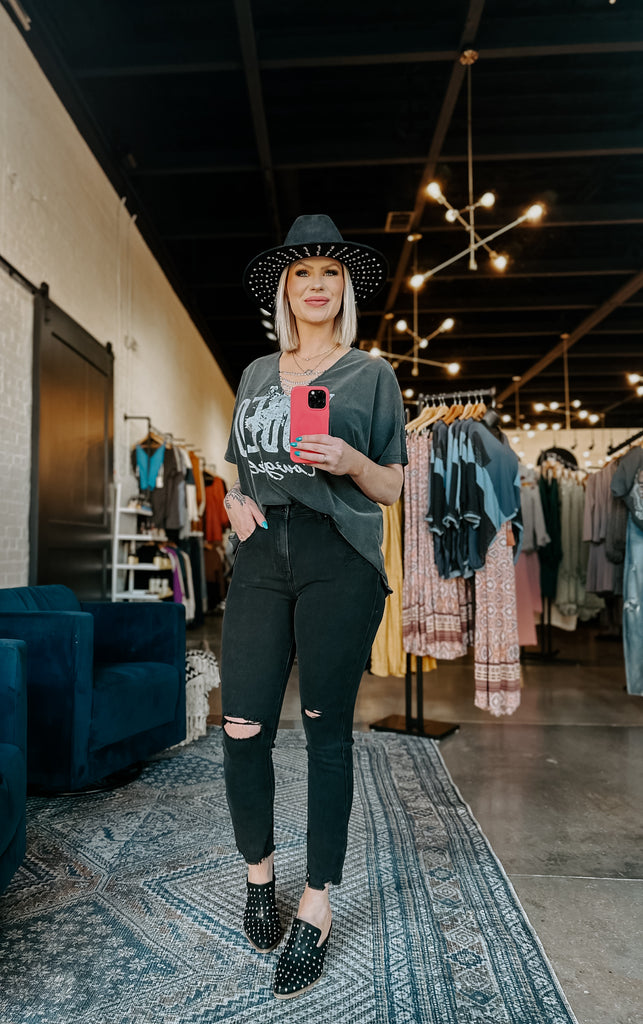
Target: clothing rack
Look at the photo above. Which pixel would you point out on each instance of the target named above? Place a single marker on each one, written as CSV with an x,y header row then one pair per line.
x,y
414,725
424,400
617,447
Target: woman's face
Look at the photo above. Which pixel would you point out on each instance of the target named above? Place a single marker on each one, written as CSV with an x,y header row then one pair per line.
x,y
315,287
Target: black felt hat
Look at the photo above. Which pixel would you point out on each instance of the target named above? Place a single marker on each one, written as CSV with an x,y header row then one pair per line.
x,y
315,235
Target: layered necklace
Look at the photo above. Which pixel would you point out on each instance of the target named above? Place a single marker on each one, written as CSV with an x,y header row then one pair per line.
x,y
291,378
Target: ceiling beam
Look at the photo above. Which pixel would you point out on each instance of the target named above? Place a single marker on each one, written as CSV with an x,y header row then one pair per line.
x,y
618,298
401,160
458,71
253,82
356,59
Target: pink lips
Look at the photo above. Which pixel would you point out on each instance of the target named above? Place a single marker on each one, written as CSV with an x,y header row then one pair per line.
x,y
316,302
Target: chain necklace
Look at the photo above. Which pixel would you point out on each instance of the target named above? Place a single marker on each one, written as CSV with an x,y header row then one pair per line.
x,y
292,378
311,371
307,359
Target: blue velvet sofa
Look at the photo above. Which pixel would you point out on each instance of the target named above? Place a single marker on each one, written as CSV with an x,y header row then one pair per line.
x,y
13,757
105,682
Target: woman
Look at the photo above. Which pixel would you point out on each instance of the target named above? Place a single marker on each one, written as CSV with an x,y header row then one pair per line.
x,y
309,573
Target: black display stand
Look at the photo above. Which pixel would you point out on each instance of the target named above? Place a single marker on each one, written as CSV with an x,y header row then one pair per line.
x,y
418,725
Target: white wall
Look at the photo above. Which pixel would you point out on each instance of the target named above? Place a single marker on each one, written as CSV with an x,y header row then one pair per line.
x,y
62,222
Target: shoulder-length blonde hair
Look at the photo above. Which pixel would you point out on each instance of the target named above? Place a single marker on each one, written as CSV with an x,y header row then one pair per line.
x,y
345,332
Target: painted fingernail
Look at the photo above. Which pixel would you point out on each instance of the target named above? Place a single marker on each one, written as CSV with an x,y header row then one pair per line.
x,y
265,525
293,444
297,440
296,452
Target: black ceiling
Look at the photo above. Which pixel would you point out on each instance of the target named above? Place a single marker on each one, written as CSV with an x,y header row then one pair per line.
x,y
222,120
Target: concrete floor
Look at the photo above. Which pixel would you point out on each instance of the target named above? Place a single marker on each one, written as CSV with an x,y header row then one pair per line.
x,y
556,788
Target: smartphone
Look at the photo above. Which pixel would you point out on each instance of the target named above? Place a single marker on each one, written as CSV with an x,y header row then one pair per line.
x,y
308,413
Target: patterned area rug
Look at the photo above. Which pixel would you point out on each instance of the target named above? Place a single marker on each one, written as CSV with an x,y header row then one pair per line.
x,y
128,907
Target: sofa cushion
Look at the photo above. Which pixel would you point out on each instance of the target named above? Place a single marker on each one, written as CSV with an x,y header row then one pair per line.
x,y
54,598
131,697
13,792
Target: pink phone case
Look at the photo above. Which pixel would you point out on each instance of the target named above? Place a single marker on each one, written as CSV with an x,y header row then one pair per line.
x,y
303,419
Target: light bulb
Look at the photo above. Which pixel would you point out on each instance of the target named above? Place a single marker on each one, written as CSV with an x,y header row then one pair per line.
x,y
554,405
401,325
375,351
583,414
409,393
594,418
531,433
414,238
417,281
639,390
585,455
556,426
487,200
453,368
447,324
451,216
542,426
515,439
633,378
434,190
576,404
539,407
535,212
424,342
526,426
414,371
521,455
499,262
506,418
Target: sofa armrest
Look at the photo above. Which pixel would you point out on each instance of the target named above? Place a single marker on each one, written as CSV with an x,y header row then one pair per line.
x,y
13,693
150,631
60,649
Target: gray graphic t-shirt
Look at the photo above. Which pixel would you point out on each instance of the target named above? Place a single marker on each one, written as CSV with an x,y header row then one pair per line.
x,y
366,410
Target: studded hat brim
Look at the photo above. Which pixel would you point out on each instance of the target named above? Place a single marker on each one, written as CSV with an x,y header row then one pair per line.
x,y
367,267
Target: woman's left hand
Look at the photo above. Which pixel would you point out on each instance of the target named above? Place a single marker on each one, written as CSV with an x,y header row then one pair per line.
x,y
331,454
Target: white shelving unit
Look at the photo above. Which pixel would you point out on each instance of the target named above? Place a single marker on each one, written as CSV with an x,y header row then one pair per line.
x,y
123,543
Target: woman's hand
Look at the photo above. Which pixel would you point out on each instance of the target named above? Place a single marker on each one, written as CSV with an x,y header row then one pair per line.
x,y
328,453
379,483
244,514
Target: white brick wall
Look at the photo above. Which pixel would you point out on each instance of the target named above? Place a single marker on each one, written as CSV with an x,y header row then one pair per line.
x,y
15,431
61,222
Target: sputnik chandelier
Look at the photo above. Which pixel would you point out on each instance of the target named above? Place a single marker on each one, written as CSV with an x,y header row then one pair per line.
x,y
454,216
412,355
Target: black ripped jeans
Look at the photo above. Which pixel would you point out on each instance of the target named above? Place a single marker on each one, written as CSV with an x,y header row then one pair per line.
x,y
297,586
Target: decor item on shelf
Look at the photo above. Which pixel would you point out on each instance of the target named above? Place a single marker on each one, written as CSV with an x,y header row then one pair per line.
x,y
486,201
106,682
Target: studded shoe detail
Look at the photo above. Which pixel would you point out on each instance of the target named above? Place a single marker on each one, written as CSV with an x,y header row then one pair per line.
x,y
261,922
301,964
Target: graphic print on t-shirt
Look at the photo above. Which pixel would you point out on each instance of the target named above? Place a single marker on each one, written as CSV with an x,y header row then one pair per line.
x,y
262,427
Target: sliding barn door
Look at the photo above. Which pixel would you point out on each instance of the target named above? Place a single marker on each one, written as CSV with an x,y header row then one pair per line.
x,y
71,454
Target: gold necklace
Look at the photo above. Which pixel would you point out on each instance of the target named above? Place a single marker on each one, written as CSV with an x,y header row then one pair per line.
x,y
307,359
311,371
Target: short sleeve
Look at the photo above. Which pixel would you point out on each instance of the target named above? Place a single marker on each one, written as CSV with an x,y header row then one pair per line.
x,y
387,444
231,451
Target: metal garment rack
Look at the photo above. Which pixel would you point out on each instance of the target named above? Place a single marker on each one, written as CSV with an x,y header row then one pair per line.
x,y
410,724
617,447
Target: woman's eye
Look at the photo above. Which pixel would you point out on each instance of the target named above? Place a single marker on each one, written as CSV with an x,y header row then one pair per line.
x,y
300,273
332,272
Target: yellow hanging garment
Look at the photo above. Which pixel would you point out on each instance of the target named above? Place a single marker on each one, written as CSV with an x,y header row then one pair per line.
x,y
388,657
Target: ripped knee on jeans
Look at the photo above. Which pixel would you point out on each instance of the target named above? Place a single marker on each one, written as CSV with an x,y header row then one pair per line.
x,y
240,728
313,714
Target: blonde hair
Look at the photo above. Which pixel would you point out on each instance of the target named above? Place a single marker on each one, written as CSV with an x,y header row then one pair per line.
x,y
345,332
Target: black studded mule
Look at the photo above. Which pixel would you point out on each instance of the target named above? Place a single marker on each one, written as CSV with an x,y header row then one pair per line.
x,y
301,964
261,918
